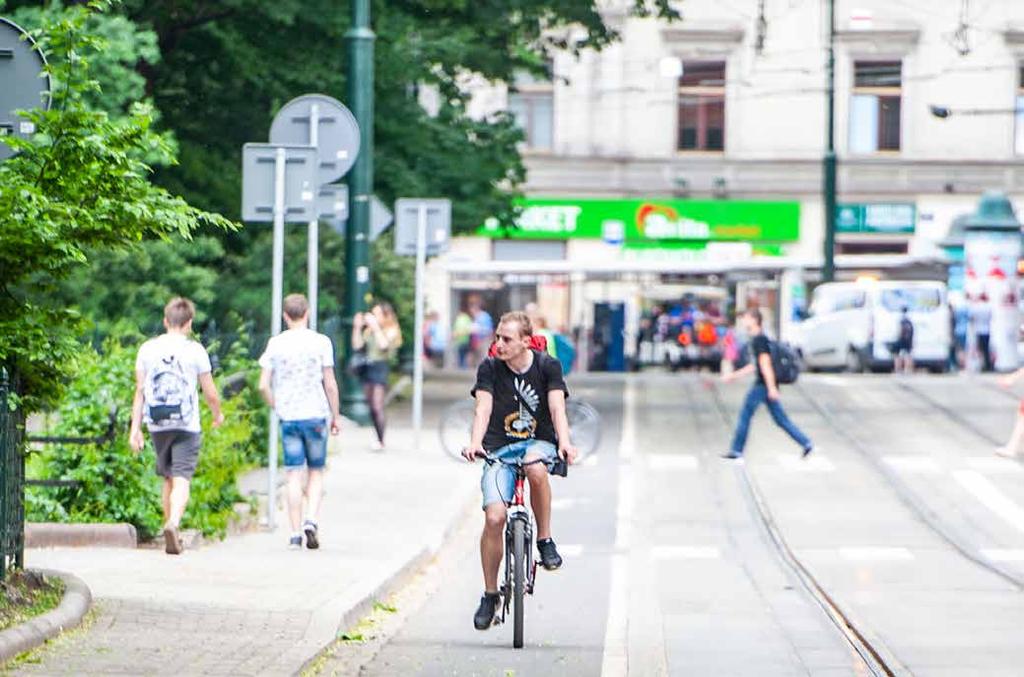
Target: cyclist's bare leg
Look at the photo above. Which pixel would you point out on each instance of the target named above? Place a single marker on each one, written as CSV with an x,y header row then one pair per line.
x,y
540,496
491,547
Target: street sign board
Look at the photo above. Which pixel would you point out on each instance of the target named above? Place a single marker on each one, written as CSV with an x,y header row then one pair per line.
x,y
438,224
332,205
258,175
336,133
381,218
884,217
22,82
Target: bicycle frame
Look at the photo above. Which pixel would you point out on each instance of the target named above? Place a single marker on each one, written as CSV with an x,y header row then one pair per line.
x,y
517,511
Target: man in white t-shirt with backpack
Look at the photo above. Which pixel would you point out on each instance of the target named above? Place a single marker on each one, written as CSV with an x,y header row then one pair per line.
x,y
167,371
297,380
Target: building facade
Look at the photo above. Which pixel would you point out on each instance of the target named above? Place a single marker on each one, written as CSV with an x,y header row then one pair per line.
x,y
691,152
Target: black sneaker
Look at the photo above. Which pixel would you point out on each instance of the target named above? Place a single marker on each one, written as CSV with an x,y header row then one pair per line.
x,y
295,543
312,542
549,557
733,455
487,611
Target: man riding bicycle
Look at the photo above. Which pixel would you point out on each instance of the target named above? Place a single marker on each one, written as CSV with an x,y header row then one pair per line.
x,y
520,415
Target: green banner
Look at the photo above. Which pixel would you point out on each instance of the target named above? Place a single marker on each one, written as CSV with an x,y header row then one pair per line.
x,y
896,218
656,220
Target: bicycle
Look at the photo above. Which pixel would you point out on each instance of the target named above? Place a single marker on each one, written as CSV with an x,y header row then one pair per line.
x,y
457,425
520,565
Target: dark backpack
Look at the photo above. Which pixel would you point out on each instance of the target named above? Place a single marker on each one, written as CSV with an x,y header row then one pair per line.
x,y
784,362
906,330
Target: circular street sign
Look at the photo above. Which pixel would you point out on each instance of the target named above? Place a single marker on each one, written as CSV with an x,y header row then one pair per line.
x,y
336,132
22,83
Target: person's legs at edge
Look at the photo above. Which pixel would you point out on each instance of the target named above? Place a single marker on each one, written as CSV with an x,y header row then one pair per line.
x,y
168,485
781,420
179,500
986,354
1012,448
756,395
540,496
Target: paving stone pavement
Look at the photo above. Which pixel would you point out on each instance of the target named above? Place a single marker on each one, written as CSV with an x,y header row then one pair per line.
x,y
249,606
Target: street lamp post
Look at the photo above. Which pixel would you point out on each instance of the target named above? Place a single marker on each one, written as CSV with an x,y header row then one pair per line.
x,y
828,270
360,40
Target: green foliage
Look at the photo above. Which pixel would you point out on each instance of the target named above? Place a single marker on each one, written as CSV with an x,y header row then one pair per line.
x,y
117,485
80,186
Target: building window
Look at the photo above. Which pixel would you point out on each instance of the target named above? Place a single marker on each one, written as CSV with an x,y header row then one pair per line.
x,y
702,106
875,107
532,104
1019,115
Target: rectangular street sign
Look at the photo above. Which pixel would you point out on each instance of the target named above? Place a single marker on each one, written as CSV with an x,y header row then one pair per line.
x,y
332,205
438,225
258,175
877,217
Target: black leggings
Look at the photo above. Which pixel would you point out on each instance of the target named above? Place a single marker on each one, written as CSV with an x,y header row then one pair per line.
x,y
375,398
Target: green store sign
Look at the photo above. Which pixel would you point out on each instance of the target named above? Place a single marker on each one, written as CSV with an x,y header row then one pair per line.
x,y
634,221
895,218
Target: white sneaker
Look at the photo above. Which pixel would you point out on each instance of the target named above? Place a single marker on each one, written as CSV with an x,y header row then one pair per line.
x,y
1005,452
376,446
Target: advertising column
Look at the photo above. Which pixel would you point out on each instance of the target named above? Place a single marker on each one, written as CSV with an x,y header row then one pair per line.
x,y
992,250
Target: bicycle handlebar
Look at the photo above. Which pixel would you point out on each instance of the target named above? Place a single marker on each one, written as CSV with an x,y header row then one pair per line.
x,y
490,458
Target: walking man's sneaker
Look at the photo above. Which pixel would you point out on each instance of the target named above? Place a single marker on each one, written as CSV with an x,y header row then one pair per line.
x,y
172,541
549,557
808,450
295,542
733,455
487,611
312,542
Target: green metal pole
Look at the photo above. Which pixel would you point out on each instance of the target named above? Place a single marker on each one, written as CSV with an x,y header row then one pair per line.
x,y
360,40
828,271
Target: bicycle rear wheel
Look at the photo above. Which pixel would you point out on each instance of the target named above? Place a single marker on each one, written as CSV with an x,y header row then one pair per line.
x,y
519,546
456,427
584,427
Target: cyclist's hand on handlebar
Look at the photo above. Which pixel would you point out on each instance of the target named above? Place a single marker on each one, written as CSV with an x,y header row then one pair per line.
x,y
568,453
471,453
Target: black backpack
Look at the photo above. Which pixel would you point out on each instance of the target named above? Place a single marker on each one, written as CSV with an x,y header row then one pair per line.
x,y
784,362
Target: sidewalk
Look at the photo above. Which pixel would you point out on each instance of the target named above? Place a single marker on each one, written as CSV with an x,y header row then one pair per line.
x,y
249,606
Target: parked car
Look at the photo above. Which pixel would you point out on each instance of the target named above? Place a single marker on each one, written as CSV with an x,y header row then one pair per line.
x,y
853,325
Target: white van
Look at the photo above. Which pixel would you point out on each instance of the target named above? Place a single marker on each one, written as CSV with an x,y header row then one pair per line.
x,y
853,325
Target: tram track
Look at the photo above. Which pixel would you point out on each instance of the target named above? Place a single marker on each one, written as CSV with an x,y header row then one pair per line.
x,y
875,656
925,514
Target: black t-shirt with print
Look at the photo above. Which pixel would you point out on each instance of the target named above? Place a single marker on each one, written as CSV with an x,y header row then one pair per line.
x,y
520,400
759,345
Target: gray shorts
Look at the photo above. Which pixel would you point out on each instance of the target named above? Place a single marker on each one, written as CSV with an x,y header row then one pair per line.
x,y
177,452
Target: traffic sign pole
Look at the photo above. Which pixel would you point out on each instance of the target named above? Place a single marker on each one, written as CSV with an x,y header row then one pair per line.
x,y
313,238
417,378
275,322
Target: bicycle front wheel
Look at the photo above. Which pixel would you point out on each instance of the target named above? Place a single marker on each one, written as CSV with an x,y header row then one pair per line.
x,y
456,427
519,546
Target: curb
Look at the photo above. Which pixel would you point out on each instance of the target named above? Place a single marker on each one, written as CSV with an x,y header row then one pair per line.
x,y
35,632
362,606
60,535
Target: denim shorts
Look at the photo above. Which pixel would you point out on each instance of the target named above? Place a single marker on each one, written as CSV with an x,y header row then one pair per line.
x,y
498,482
305,443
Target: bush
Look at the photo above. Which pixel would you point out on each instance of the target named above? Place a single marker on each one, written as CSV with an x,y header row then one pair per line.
x,y
117,485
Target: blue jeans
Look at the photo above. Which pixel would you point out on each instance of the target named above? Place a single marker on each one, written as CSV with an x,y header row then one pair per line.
x,y
305,443
498,483
757,396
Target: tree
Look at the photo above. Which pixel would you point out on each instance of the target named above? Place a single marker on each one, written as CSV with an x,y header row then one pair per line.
x,y
80,185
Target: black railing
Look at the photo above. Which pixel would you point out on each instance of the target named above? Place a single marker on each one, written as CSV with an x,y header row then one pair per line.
x,y
12,477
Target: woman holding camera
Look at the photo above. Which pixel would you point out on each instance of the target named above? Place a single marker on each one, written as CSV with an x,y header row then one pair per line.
x,y
378,336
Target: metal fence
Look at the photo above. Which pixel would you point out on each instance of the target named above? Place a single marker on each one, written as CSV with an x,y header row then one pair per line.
x,y
12,479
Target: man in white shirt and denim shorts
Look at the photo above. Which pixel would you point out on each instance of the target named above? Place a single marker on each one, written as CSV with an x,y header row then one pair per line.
x,y
167,370
297,380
